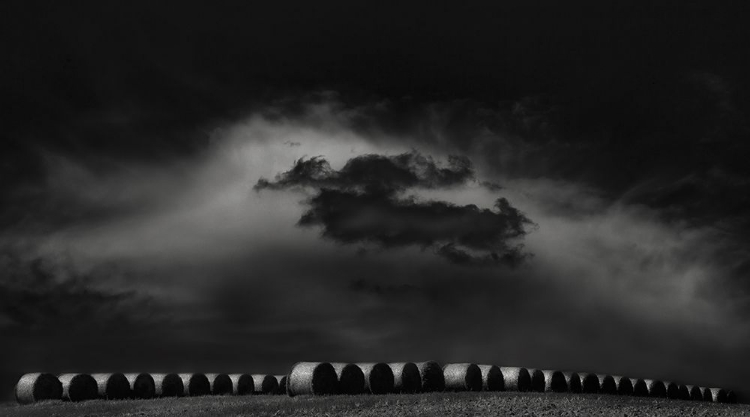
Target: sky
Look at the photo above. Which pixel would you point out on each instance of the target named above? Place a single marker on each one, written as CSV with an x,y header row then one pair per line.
x,y
235,187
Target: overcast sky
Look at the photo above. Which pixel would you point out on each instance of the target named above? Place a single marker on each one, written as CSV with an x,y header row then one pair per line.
x,y
236,188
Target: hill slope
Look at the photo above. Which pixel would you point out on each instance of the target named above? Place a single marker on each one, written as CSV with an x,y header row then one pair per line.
x,y
437,404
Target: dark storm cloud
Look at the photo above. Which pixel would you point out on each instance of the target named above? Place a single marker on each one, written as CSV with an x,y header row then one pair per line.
x,y
138,80
361,203
404,290
374,173
40,295
455,232
591,91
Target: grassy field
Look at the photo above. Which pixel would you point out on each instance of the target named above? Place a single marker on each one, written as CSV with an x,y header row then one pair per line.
x,y
438,404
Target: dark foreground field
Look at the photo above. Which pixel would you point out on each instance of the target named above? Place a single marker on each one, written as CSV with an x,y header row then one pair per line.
x,y
443,404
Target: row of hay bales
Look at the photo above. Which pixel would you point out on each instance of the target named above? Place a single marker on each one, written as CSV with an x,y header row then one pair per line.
x,y
35,387
556,381
322,378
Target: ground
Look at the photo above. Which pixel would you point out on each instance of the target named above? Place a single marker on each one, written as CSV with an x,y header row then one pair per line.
x,y
438,404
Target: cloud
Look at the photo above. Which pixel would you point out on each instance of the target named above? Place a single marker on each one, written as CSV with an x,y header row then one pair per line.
x,y
362,203
374,173
405,290
47,295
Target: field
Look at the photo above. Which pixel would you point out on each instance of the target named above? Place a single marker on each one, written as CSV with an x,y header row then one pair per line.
x,y
436,404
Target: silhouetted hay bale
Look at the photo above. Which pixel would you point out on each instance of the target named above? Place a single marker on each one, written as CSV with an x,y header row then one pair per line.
x,y
220,384
195,384
142,386
312,378
351,378
718,395
242,384
696,394
684,392
673,390
640,389
406,379
168,385
554,381
516,379
78,387
590,384
731,397
462,377
38,387
707,395
624,385
432,377
607,384
492,378
378,377
281,386
265,384
112,386
656,388
573,381
537,380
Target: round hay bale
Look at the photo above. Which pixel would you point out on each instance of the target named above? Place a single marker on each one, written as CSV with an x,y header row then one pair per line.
x,y
378,377
573,381
624,385
656,388
112,386
590,384
462,377
731,397
607,384
554,381
220,384
684,392
142,386
38,387
516,379
195,385
718,395
312,378
537,380
707,395
640,389
281,384
168,385
351,378
265,384
242,384
696,394
78,387
432,376
406,379
492,378
673,390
